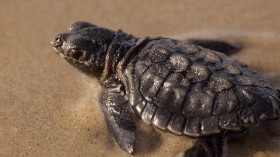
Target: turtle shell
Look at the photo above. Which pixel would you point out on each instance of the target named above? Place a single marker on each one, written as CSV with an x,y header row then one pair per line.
x,y
191,90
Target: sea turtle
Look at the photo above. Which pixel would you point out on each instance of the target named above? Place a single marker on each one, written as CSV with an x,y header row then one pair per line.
x,y
176,86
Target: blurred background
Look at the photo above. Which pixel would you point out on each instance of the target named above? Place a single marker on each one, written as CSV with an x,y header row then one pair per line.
x,y
48,108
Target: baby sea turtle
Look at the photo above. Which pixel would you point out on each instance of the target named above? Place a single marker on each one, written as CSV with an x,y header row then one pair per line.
x,y
180,87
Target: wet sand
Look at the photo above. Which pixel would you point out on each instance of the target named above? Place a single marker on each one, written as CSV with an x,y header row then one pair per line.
x,y
48,108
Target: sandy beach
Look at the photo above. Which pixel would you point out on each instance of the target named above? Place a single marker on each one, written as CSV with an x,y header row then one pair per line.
x,y
48,108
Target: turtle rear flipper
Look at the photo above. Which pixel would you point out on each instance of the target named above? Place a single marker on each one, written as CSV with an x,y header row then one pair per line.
x,y
217,45
119,116
210,146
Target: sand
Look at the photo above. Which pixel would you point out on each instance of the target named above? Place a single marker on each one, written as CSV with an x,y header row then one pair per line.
x,y
48,108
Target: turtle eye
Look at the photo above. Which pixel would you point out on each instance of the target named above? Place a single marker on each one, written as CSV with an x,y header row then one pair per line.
x,y
58,41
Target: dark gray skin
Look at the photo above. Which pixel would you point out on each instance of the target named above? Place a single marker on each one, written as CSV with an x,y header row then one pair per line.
x,y
185,89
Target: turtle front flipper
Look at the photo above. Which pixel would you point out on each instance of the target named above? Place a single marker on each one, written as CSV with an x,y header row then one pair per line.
x,y
210,146
119,116
217,45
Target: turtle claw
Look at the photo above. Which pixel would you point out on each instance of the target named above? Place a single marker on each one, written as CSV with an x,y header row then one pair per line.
x,y
129,148
126,141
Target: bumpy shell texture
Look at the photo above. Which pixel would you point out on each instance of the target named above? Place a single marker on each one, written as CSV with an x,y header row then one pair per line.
x,y
194,91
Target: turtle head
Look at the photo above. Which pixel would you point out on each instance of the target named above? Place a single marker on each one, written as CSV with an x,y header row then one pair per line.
x,y
84,46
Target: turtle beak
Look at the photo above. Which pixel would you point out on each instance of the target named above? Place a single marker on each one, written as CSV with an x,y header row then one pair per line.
x,y
55,47
52,42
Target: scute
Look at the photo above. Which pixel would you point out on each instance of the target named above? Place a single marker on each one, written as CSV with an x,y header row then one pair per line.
x,y
142,66
246,80
226,102
247,117
176,124
152,80
135,97
232,69
198,73
210,126
172,93
161,118
140,107
192,127
219,83
230,121
159,53
191,48
208,56
246,95
148,113
179,62
199,103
